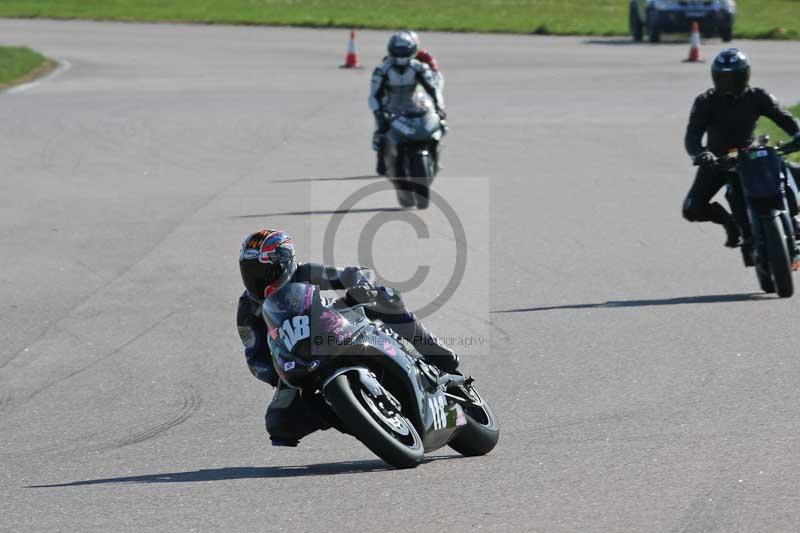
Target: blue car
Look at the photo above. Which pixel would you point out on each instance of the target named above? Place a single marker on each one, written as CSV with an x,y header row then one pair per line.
x,y
655,17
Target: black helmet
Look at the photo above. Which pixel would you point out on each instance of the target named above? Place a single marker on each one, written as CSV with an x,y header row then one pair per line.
x,y
267,262
731,72
402,47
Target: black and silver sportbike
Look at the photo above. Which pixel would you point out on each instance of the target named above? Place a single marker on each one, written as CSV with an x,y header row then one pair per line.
x,y
767,186
375,385
412,151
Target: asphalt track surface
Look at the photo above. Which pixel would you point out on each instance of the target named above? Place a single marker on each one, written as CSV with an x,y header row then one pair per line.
x,y
641,382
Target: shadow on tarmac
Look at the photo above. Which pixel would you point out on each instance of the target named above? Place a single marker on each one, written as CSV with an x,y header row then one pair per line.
x,y
345,178
326,212
705,299
247,472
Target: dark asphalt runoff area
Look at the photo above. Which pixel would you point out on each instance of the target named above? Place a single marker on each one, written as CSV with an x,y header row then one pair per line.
x,y
641,382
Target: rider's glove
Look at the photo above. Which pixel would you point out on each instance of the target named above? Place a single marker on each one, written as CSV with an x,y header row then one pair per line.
x,y
357,276
381,122
390,302
426,57
704,159
377,141
365,278
360,295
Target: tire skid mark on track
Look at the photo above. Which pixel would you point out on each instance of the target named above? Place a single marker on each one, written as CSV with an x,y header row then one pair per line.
x,y
78,442
96,361
187,403
459,242
180,406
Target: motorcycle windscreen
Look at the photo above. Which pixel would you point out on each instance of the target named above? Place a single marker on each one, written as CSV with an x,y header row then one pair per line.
x,y
302,329
761,171
406,129
288,314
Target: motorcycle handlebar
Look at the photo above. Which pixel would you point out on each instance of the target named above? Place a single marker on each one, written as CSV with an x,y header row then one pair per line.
x,y
728,160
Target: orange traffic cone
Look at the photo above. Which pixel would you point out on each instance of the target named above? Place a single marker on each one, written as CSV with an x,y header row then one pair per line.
x,y
351,60
694,50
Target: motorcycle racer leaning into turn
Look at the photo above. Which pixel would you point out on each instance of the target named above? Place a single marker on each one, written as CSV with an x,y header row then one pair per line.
x,y
394,82
267,262
727,115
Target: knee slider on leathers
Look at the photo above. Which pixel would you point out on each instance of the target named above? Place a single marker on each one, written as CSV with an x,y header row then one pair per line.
x,y
691,211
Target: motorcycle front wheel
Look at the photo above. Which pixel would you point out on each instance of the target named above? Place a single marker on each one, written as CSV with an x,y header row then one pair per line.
x,y
386,432
778,254
765,280
421,168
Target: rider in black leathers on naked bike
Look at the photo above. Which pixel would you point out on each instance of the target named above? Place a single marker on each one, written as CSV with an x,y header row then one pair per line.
x,y
267,262
728,114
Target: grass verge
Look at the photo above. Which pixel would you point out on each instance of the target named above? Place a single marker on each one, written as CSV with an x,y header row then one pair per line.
x,y
764,19
19,64
766,126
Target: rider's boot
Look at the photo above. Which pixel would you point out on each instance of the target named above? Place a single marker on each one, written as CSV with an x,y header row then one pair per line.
x,y
380,166
436,352
734,235
432,348
391,309
747,253
377,145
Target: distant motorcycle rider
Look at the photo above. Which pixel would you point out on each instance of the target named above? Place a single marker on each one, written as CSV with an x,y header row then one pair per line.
x,y
394,82
728,114
267,262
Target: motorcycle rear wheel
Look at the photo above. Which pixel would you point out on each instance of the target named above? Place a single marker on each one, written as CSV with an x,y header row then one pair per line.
x,y
392,438
481,433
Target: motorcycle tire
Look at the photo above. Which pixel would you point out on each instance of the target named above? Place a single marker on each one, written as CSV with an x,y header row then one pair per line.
x,y
481,433
765,281
635,23
726,32
349,399
421,177
405,192
653,29
778,255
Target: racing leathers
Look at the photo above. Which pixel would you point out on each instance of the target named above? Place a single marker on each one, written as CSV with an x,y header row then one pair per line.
x,y
289,416
392,89
729,123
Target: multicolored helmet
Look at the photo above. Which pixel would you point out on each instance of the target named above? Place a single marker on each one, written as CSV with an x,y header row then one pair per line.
x,y
267,262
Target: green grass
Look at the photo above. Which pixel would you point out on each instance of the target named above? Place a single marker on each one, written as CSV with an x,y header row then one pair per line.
x,y
16,63
775,133
757,18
